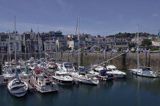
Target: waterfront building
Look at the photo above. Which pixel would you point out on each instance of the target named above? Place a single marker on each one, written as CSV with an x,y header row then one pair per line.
x,y
14,43
3,43
32,43
118,42
70,42
49,46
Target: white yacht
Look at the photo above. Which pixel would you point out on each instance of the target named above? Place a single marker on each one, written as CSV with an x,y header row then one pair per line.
x,y
8,72
62,78
99,72
145,72
86,78
42,83
51,65
22,71
66,66
17,87
112,70
96,69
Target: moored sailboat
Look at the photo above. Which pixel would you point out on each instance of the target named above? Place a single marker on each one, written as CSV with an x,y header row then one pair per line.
x,y
142,71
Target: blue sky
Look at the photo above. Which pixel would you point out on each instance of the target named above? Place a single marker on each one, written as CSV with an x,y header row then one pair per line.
x,y
96,16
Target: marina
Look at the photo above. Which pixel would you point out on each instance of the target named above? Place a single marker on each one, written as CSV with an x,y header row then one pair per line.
x,y
50,78
39,75
79,53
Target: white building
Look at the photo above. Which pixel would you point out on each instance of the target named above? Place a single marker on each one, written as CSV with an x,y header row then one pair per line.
x,y
70,42
155,43
3,46
14,43
49,46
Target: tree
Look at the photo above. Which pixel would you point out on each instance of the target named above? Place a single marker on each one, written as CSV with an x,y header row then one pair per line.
x,y
132,45
146,43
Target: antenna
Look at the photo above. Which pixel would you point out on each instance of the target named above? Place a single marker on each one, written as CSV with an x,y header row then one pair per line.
x,y
77,26
15,24
15,44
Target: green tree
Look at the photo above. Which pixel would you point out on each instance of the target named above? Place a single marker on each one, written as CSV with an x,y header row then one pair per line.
x,y
132,45
146,43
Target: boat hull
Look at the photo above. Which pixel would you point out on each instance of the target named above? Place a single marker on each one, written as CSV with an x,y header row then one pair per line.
x,y
63,82
117,76
41,90
20,92
139,73
45,88
85,80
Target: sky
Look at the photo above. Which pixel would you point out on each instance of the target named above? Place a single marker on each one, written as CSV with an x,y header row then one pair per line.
x,y
96,16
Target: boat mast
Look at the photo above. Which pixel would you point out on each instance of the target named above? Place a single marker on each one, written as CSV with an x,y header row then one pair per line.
x,y
114,47
138,50
9,48
25,50
15,46
78,35
39,53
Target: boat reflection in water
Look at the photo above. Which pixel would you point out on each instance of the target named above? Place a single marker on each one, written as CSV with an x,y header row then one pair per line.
x,y
148,84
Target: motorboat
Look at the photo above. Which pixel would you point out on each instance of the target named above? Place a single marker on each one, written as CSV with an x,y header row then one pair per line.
x,y
82,70
85,78
25,72
17,87
66,66
112,70
144,72
98,68
62,78
42,83
8,72
95,70
100,72
51,65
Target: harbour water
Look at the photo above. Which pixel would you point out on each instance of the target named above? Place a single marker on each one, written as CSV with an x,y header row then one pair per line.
x,y
133,91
